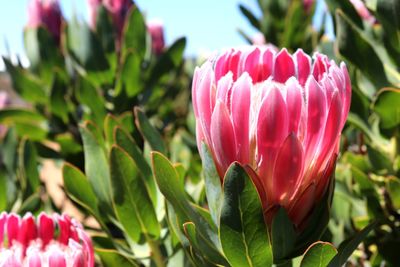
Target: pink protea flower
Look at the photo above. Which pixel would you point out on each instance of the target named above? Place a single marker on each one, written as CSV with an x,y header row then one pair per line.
x,y
363,11
156,30
278,114
307,4
49,241
46,13
117,8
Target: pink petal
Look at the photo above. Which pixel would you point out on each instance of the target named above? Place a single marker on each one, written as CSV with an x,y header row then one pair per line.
x,y
324,180
13,224
287,170
240,111
199,137
221,66
233,64
88,247
223,88
347,95
320,66
294,101
303,63
64,225
267,64
3,220
316,114
27,230
57,258
203,98
252,64
272,124
46,228
223,137
283,66
9,259
196,77
33,258
78,260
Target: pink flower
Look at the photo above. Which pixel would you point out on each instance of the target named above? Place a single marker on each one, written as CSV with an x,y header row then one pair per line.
x,y
117,8
278,114
307,4
49,241
46,13
363,11
156,30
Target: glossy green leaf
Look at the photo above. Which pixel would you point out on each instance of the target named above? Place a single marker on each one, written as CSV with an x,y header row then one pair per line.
x,y
318,254
110,123
132,202
283,235
348,246
387,106
134,33
96,166
149,132
79,189
212,182
243,231
3,190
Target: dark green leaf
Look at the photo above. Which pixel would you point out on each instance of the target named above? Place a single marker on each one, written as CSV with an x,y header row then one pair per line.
x,y
111,258
393,188
243,231
129,79
28,166
283,235
134,34
318,254
387,106
132,202
149,132
79,189
250,17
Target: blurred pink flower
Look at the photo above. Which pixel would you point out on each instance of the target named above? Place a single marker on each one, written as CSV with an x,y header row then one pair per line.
x,y
46,13
117,8
278,114
363,11
307,4
49,241
258,39
156,30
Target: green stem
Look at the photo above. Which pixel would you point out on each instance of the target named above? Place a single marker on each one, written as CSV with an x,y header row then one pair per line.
x,y
156,253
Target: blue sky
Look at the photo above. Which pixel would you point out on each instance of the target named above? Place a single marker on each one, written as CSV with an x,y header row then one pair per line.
x,y
208,24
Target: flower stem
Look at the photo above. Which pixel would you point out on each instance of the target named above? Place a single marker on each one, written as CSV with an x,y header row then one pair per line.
x,y
156,253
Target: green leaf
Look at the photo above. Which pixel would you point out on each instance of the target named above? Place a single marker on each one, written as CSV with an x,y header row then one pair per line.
x,y
110,123
129,79
58,98
283,235
125,141
111,258
149,132
243,231
250,17
16,115
79,189
132,202
26,85
348,246
353,46
3,190
318,254
387,106
96,166
212,182
170,186
169,60
393,188
28,166
134,33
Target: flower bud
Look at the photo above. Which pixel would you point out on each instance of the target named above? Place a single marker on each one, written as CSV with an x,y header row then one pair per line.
x,y
156,30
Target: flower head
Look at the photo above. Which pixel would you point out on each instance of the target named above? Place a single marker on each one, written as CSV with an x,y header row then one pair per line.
x,y
280,115
49,241
45,13
156,30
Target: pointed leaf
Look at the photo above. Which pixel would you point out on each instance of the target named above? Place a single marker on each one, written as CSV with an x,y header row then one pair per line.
x,y
149,132
243,231
318,255
283,235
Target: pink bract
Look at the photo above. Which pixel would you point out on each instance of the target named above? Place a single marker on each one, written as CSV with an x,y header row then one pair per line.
x,y
156,30
45,13
50,241
281,115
